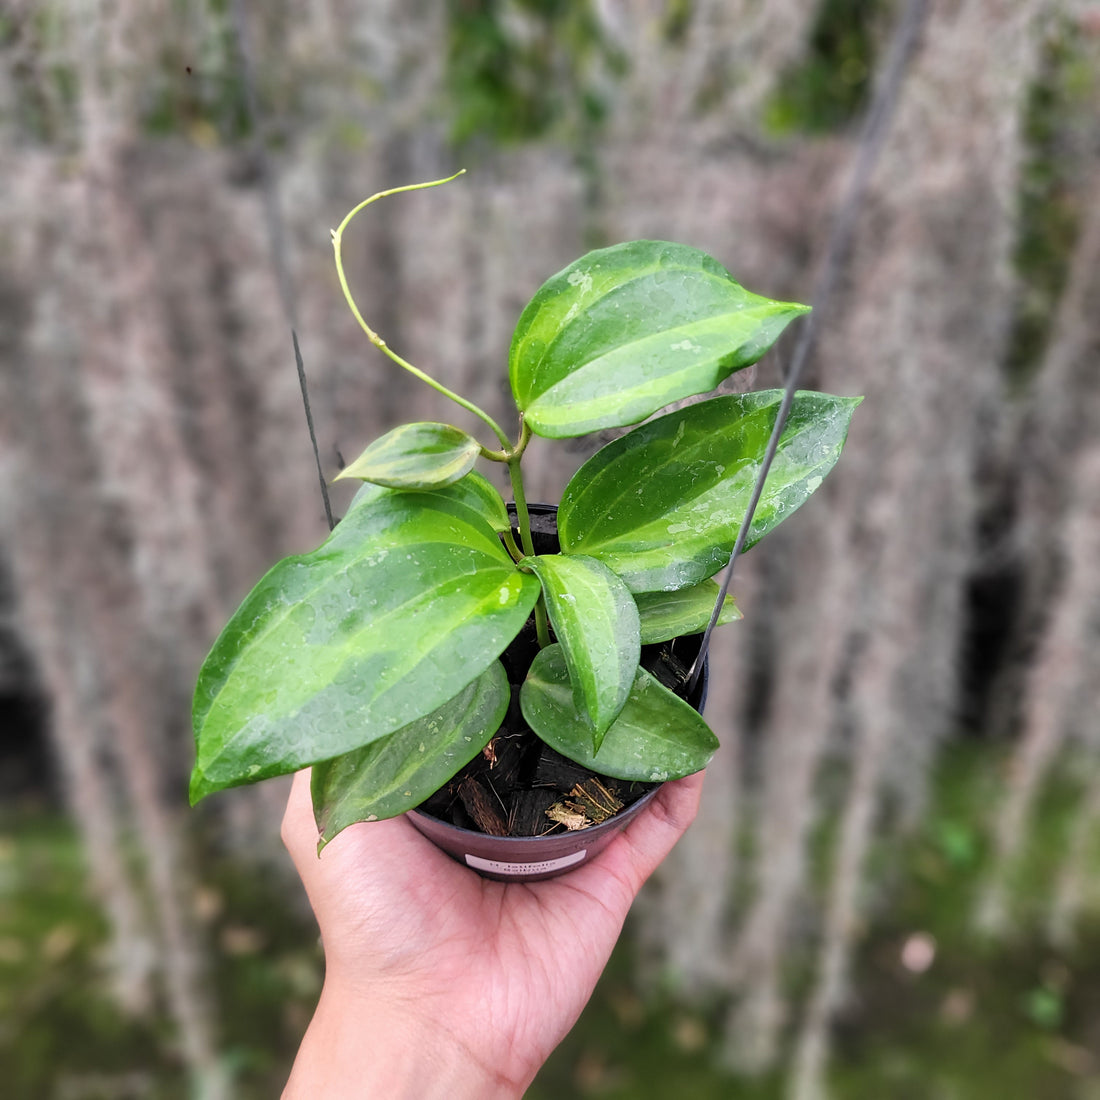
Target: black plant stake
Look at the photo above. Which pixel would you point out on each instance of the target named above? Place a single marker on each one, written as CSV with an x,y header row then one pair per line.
x,y
312,432
870,144
273,218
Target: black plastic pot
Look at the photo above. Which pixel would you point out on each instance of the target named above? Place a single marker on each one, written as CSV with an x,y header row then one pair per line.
x,y
530,858
525,858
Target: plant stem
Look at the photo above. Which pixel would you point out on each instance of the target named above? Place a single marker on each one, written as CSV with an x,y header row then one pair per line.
x,y
510,545
523,517
542,630
375,339
523,521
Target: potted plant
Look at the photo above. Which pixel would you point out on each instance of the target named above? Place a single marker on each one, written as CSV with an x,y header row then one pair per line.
x,y
388,658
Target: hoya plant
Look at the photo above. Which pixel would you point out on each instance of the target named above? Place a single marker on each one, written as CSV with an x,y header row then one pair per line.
x,y
375,659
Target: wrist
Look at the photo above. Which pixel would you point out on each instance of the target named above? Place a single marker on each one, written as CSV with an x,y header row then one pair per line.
x,y
358,1046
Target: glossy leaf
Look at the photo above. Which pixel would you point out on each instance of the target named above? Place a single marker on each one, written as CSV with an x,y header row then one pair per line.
x,y
398,771
657,736
596,622
410,599
662,505
666,615
416,456
626,330
474,493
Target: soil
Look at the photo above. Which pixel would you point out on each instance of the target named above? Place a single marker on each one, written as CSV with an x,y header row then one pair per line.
x,y
518,786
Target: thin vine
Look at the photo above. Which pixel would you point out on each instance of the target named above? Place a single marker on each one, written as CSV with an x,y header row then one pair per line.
x,y
337,242
510,453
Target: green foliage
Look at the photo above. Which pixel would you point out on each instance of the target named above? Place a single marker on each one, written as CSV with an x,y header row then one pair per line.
x,y
374,658
664,321
517,68
666,615
1052,197
62,1034
416,456
676,20
663,504
986,1021
656,735
596,621
409,599
42,78
198,86
1044,1007
830,83
397,772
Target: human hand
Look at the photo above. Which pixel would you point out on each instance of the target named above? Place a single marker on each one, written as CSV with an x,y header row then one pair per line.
x,y
442,983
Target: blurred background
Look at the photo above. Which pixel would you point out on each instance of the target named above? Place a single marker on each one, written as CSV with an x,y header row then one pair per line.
x,y
893,889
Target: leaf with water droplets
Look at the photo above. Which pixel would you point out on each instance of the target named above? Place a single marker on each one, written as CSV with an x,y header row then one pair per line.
x,y
398,771
626,330
596,622
410,599
666,615
473,493
657,736
662,505
416,456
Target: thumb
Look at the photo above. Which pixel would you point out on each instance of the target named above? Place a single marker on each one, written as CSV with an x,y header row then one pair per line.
x,y
638,850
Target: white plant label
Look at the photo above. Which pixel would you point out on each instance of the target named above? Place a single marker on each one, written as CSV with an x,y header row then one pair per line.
x,y
500,867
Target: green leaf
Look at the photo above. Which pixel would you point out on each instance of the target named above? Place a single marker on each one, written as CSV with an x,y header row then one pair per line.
x,y
662,505
667,615
474,493
596,622
416,456
410,599
398,771
657,736
626,330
